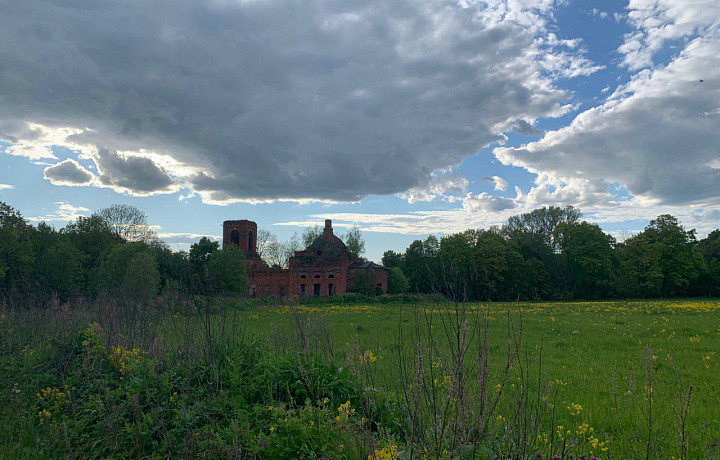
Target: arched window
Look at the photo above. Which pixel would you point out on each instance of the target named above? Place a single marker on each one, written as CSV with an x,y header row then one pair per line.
x,y
302,277
251,242
235,238
331,276
317,277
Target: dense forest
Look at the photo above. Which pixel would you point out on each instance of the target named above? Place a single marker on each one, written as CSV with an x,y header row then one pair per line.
x,y
547,254
551,254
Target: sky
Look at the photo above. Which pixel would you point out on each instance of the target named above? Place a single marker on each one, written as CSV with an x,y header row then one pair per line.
x,y
404,118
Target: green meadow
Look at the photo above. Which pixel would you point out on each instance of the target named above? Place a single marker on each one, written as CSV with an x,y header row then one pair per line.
x,y
395,378
601,354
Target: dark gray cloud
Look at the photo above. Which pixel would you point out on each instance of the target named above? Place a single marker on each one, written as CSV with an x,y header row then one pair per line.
x,y
131,173
275,99
68,172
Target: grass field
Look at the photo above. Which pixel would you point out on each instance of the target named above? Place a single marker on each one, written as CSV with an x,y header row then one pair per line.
x,y
599,351
587,378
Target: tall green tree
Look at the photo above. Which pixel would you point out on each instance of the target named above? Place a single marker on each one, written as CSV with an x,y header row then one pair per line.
x,y
173,267
543,222
392,259
199,258
16,249
93,238
310,234
710,251
112,271
226,269
457,264
142,278
354,242
661,261
58,263
397,282
590,259
420,265
492,255
680,259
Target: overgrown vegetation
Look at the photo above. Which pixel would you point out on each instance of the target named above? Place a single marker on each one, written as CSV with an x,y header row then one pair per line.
x,y
357,380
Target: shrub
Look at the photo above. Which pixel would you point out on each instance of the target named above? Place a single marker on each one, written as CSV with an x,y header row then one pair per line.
x,y
397,282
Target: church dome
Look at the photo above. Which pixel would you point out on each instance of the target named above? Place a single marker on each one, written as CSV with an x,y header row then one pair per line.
x,y
327,241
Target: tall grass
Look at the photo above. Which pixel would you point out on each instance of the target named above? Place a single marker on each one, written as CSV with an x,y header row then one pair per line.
x,y
189,378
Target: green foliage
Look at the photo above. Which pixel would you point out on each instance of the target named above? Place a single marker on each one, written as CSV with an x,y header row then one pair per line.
x,y
199,258
663,260
161,406
72,389
420,265
397,282
122,270
16,250
392,259
590,258
226,269
550,254
364,284
142,278
58,262
710,252
354,242
310,234
93,237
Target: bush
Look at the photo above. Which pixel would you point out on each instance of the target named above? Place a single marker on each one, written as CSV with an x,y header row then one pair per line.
x,y
84,398
141,278
227,271
397,282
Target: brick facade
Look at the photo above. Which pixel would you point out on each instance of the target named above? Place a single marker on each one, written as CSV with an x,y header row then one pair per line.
x,y
323,269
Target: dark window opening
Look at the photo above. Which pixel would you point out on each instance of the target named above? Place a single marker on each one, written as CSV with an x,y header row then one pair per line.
x,y
251,242
331,290
235,238
302,277
319,252
302,289
282,291
331,276
267,289
317,277
316,289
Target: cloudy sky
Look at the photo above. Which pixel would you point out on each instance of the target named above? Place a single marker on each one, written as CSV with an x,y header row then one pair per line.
x,y
404,117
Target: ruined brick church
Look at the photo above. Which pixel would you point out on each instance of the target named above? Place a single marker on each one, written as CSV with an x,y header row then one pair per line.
x,y
325,268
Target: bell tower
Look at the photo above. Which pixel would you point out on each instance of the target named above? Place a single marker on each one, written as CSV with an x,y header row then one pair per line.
x,y
241,233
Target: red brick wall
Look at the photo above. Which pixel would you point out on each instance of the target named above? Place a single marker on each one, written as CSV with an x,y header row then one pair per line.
x,y
269,283
247,234
378,275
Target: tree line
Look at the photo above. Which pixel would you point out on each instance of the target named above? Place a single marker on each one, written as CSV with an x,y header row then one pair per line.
x,y
113,252
551,254
547,254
